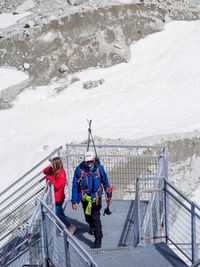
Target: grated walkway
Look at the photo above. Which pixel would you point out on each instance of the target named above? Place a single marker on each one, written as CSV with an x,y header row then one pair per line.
x,y
117,227
118,240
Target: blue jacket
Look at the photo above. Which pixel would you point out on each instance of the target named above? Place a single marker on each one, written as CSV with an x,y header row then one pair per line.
x,y
76,191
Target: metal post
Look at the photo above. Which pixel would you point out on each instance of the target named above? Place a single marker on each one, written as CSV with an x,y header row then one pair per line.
x,y
166,210
165,152
138,218
161,170
43,237
54,211
53,197
68,171
151,227
193,233
66,247
58,153
158,217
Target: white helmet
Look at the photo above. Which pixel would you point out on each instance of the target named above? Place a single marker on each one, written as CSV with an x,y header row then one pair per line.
x,y
89,156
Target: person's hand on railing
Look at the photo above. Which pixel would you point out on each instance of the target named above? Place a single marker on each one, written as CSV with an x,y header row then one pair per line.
x,y
75,206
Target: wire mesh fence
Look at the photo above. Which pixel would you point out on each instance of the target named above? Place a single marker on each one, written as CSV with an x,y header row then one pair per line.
x,y
35,229
17,204
183,224
123,164
150,224
168,214
59,246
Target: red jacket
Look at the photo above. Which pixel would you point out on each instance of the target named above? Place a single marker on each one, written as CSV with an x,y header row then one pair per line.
x,y
59,183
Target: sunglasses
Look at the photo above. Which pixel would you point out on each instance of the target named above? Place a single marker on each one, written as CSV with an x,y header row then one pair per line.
x,y
88,162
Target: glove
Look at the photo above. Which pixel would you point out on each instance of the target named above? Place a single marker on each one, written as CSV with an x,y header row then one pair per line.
x,y
75,206
50,178
109,200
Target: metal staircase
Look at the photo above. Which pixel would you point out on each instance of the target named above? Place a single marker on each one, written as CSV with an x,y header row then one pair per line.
x,y
147,210
17,204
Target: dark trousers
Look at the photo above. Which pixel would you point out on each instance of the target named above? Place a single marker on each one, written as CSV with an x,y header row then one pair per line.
x,y
94,219
61,215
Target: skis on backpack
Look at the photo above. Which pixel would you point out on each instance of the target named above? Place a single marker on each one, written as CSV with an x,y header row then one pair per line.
x,y
90,138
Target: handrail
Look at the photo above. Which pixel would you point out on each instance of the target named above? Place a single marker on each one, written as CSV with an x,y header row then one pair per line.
x,y
117,146
35,167
181,194
59,222
196,263
29,181
126,156
23,194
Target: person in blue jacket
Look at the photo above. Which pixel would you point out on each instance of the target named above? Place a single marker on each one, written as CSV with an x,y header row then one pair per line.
x,y
87,188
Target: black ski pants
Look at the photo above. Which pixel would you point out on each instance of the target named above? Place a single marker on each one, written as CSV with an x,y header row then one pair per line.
x,y
94,220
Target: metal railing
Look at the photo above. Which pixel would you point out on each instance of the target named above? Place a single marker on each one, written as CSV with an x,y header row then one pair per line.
x,y
151,228
150,225
135,171
123,164
183,222
60,247
36,246
49,240
17,203
170,217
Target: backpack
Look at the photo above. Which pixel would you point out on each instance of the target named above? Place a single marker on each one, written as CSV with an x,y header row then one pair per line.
x,y
90,182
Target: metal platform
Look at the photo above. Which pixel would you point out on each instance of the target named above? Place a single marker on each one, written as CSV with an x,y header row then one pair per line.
x,y
118,240
149,256
117,227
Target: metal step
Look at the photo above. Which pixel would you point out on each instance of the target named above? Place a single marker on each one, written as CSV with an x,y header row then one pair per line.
x,y
153,255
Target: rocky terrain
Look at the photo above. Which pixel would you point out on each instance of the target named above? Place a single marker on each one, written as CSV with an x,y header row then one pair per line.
x,y
61,37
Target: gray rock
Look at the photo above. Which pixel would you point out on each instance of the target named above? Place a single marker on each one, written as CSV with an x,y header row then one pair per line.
x,y
93,84
63,68
4,104
29,24
74,2
26,66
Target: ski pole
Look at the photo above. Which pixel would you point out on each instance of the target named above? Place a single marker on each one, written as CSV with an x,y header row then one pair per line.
x,y
89,133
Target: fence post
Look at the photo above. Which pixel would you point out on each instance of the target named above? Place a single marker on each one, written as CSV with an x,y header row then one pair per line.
x,y
68,170
137,214
66,246
166,210
44,237
193,233
166,199
165,152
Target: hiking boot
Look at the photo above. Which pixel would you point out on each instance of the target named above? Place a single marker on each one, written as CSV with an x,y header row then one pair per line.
x,y
91,231
60,234
97,244
72,229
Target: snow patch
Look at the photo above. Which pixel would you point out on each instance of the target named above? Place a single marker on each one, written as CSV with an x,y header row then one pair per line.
x,y
6,19
11,76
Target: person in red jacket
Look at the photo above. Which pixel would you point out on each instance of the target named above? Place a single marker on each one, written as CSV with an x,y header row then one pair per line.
x,y
57,175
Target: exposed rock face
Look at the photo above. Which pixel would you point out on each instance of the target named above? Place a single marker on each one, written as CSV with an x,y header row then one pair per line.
x,y
79,34
93,37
